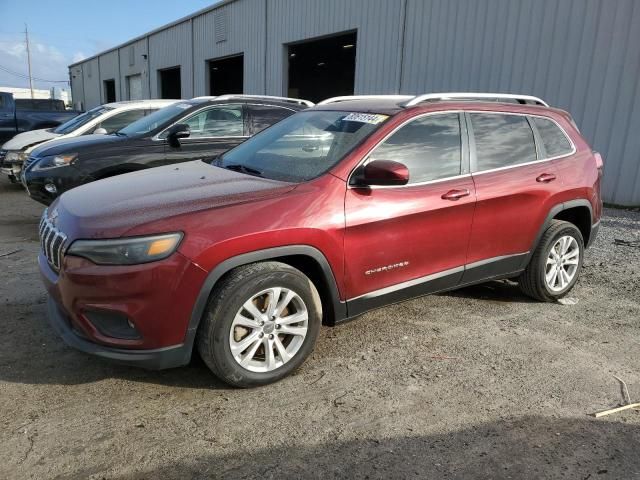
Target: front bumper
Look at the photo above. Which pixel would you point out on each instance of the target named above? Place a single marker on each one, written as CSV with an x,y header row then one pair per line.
x,y
63,178
155,359
156,298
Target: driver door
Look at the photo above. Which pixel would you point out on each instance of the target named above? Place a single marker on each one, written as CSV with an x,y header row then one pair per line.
x,y
406,241
214,130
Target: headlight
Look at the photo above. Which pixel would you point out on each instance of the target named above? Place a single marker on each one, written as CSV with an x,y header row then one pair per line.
x,y
55,161
126,251
15,156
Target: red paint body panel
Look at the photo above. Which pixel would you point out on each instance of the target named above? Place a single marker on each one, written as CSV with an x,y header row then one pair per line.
x,y
157,297
397,225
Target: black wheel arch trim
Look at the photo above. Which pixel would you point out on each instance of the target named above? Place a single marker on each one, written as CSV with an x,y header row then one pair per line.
x,y
555,210
339,307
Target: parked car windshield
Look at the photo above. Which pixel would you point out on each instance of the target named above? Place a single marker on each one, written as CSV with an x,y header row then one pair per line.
x,y
302,146
155,120
82,119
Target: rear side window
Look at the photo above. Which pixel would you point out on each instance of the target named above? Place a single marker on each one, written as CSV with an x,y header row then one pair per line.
x,y
554,140
502,140
430,147
265,116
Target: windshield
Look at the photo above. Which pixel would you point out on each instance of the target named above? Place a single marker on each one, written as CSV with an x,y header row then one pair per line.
x,y
302,146
155,120
77,122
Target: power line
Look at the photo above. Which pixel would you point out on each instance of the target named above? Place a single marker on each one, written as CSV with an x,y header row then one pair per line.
x,y
22,75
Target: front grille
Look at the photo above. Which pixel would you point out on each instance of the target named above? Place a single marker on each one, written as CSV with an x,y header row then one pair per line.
x,y
28,162
52,241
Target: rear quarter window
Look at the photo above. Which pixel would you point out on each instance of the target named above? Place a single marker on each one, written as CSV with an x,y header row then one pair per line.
x,y
554,140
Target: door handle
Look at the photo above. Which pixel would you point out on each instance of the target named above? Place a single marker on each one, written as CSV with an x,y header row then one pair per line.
x,y
546,178
456,194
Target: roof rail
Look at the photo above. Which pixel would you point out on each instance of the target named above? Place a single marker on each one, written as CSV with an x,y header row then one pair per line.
x,y
474,96
299,101
365,97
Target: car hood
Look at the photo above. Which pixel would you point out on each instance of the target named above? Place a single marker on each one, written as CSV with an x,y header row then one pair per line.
x,y
109,208
27,139
73,144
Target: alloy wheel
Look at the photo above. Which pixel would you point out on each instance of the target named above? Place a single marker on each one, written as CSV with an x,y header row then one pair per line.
x,y
562,263
269,329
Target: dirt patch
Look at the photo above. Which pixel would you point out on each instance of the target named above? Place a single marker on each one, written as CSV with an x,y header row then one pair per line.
x,y
478,383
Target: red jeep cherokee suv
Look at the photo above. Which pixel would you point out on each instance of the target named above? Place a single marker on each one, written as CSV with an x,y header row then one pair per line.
x,y
354,204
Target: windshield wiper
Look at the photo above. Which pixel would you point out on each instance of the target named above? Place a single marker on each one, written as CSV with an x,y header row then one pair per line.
x,y
236,167
120,134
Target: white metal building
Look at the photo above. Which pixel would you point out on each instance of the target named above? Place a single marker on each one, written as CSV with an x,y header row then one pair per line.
x,y
580,55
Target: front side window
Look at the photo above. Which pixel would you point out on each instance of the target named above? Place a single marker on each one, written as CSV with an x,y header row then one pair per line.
x,y
555,142
121,120
219,121
502,140
302,146
430,147
81,120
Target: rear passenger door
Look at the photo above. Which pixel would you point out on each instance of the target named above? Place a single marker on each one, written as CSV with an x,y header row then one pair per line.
x,y
410,240
263,116
214,130
514,185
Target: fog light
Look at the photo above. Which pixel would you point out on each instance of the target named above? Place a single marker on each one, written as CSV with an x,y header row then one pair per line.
x,y
51,188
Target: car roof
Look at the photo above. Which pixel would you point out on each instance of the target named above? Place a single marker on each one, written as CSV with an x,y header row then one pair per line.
x,y
293,104
130,104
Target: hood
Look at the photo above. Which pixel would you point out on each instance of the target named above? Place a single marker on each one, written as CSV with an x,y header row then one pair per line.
x,y
27,139
109,208
73,144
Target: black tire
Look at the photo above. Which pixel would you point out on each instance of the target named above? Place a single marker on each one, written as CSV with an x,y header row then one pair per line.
x,y
532,280
227,299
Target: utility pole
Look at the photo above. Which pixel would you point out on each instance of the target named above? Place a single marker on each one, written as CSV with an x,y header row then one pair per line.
x,y
26,36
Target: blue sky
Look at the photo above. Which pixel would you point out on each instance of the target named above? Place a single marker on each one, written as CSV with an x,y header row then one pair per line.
x,y
64,31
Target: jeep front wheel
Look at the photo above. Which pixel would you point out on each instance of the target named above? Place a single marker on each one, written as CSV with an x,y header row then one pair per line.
x,y
262,323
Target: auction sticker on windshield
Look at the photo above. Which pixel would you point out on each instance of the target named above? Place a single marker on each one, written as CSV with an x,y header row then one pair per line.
x,y
372,118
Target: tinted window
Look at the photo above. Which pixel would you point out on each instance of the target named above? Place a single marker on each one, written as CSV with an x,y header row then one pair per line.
x,y
121,120
1,101
502,140
265,116
555,142
39,104
223,121
430,147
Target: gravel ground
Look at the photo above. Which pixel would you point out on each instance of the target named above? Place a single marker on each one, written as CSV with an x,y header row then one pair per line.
x,y
478,383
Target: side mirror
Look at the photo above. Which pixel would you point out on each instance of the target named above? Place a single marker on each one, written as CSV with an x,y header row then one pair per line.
x,y
382,173
100,131
178,131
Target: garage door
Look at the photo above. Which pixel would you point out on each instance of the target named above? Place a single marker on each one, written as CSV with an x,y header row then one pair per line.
x,y
134,85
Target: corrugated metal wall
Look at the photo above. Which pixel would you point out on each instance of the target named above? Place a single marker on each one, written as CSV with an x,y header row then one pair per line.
x,y
110,70
580,55
245,33
91,82
172,48
77,86
134,63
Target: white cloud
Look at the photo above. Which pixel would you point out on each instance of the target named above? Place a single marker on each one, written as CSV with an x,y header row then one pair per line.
x,y
47,63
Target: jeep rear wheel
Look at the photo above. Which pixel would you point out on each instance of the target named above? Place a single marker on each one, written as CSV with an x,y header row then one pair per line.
x,y
555,265
261,324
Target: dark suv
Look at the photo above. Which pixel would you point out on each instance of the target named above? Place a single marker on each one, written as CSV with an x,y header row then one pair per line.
x,y
203,127
354,204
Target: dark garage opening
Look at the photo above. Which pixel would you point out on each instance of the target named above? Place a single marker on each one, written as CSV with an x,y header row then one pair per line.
x,y
109,91
226,75
170,83
322,68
